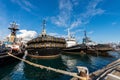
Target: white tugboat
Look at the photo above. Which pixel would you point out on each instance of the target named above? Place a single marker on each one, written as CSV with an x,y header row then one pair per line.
x,y
72,46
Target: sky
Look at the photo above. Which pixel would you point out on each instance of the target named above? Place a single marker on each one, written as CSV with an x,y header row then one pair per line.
x,y
100,18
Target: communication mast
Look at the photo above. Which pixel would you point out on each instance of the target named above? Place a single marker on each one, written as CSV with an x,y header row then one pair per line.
x,y
14,28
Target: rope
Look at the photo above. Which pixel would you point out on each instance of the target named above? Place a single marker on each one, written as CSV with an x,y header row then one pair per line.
x,y
48,68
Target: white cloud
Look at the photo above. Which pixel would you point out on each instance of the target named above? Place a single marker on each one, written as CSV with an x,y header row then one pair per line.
x,y
91,32
27,35
67,17
65,5
77,31
75,23
57,35
54,34
63,18
25,4
75,2
91,11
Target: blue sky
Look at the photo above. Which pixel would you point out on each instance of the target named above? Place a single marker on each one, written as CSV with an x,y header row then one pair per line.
x,y
100,18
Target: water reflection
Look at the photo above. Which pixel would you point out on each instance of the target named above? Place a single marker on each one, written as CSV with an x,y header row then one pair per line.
x,y
114,54
17,71
92,62
33,73
6,70
23,71
71,61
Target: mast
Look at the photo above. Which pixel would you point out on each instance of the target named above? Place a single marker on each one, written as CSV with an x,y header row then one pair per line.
x,y
69,34
14,28
85,37
43,30
85,34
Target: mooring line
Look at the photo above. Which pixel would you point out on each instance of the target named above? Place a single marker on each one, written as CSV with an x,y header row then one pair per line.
x,y
48,68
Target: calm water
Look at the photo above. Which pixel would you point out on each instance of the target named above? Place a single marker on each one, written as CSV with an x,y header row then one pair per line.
x,y
23,71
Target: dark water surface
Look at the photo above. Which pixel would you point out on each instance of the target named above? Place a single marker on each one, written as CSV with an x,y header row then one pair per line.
x,y
23,71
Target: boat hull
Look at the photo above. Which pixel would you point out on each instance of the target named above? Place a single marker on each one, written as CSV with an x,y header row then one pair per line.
x,y
44,53
6,59
75,49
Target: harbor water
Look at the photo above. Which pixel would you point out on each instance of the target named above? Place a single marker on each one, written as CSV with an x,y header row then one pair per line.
x,y
22,71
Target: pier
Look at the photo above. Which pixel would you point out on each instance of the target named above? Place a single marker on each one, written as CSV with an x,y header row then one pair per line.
x,y
110,72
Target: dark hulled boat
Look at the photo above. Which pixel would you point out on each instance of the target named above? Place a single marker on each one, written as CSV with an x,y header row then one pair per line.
x,y
89,47
5,59
76,48
45,46
11,47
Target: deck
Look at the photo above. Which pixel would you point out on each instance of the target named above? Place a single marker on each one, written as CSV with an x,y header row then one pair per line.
x,y
110,72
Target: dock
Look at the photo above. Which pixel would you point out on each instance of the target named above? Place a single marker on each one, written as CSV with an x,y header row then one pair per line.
x,y
109,72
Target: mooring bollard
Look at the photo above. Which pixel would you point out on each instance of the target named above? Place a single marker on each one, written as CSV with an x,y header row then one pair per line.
x,y
83,72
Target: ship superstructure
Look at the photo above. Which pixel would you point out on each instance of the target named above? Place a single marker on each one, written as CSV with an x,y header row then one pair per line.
x,y
87,40
14,28
71,41
13,42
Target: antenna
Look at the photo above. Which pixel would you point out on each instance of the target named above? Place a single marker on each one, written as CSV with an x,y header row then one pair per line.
x,y
85,34
43,25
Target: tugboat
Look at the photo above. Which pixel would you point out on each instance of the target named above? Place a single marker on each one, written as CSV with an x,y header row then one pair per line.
x,y
11,46
45,46
72,47
94,48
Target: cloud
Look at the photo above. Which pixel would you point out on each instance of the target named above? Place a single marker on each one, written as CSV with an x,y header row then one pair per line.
x,y
75,2
75,23
63,18
27,35
91,32
25,4
54,34
77,31
68,18
91,11
57,35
